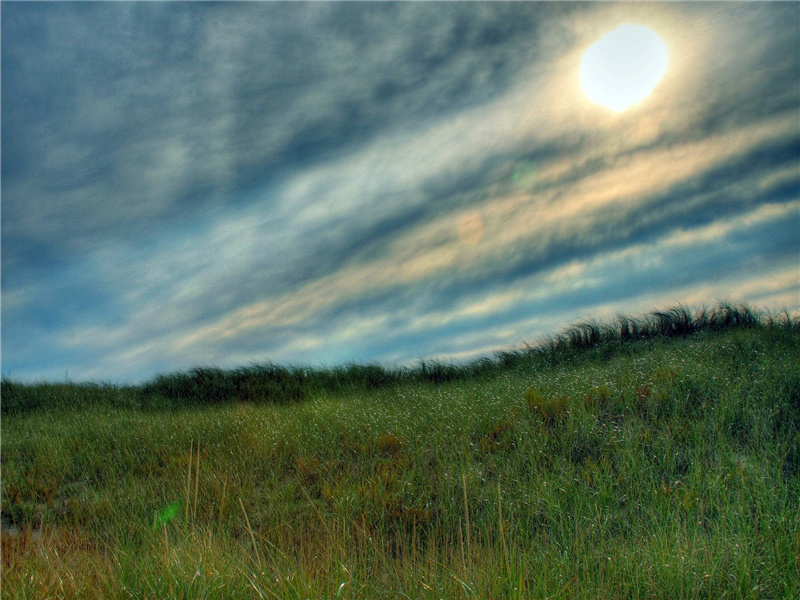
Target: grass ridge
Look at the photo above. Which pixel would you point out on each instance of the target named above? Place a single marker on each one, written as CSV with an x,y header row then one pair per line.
x,y
660,466
275,384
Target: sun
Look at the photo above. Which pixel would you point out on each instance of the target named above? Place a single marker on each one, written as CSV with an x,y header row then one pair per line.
x,y
622,68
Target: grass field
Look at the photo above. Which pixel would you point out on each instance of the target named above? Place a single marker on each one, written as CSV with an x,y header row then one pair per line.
x,y
646,458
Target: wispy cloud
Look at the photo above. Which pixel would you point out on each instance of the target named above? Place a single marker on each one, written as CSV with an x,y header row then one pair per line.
x,y
327,182
526,227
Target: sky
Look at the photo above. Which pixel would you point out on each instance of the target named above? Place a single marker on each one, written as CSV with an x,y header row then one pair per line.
x,y
315,184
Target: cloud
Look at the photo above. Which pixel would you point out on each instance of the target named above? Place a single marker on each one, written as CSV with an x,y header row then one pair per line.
x,y
161,108
525,228
287,181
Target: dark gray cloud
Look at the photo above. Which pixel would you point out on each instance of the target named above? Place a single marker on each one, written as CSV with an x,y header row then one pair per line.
x,y
136,113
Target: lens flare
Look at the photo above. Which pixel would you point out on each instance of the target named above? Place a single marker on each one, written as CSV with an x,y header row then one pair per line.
x,y
167,513
471,229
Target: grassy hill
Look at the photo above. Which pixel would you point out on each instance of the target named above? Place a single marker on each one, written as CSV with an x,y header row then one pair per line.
x,y
655,457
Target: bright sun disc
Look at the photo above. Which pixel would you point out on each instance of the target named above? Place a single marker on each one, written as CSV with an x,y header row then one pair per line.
x,y
622,68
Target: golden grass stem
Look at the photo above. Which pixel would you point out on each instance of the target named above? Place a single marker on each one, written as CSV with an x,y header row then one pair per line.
x,y
316,510
414,541
500,521
461,548
166,544
466,509
252,537
223,499
196,482
188,488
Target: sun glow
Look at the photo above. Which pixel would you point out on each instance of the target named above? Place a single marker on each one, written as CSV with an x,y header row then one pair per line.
x,y
622,68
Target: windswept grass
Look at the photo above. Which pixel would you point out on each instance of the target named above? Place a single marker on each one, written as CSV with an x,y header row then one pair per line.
x,y
273,384
655,457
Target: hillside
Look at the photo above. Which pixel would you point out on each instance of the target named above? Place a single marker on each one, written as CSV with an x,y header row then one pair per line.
x,y
652,457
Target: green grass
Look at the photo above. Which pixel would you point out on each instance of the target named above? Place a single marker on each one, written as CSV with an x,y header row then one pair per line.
x,y
648,458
